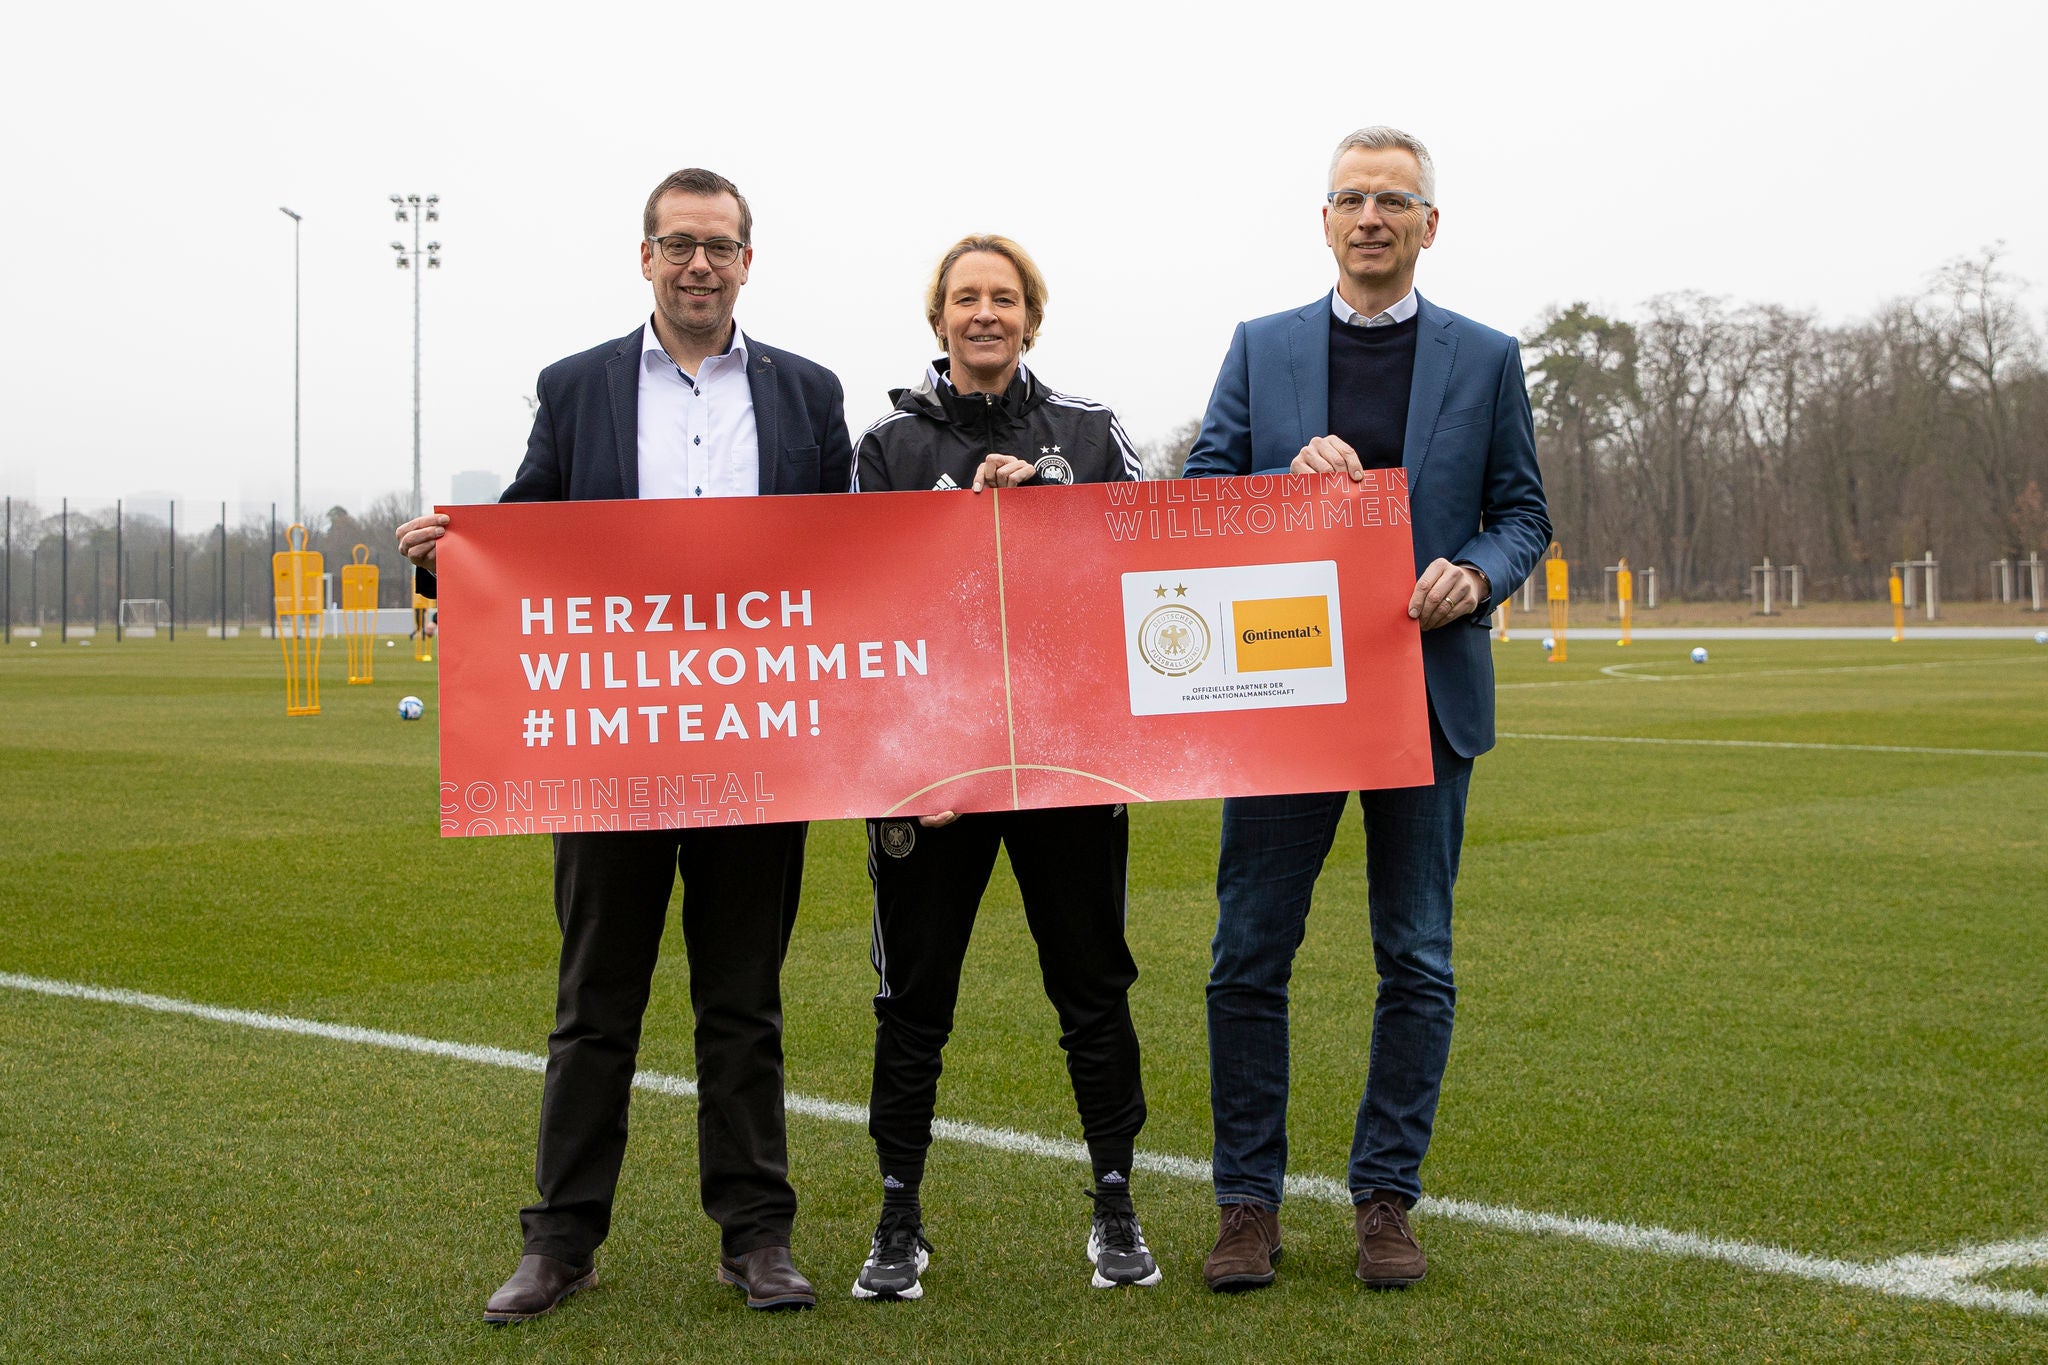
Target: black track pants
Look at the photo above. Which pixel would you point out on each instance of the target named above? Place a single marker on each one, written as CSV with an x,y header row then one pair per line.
x,y
1071,866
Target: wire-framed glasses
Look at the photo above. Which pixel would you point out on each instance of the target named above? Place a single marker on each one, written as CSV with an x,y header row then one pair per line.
x,y
680,248
1390,203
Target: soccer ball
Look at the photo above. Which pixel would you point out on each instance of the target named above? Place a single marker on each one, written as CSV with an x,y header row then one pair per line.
x,y
31,644
411,708
391,644
1550,644
2041,637
1699,654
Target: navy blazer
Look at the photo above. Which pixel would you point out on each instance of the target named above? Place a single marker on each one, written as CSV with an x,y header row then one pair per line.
x,y
1474,492
586,432
585,443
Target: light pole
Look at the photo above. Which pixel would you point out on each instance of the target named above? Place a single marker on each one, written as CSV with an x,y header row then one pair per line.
x,y
411,208
295,357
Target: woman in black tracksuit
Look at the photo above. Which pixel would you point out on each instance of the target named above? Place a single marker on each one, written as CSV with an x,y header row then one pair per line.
x,y
980,419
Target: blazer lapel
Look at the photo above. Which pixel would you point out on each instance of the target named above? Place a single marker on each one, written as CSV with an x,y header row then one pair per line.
x,y
767,393
1308,354
622,383
1436,347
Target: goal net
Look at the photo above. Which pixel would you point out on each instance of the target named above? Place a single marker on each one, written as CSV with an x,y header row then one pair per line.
x,y
142,615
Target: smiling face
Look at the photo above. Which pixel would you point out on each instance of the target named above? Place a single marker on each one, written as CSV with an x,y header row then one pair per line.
x,y
694,301
983,323
1376,254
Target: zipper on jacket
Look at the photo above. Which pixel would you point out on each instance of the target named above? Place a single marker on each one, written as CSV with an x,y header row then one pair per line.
x,y
988,424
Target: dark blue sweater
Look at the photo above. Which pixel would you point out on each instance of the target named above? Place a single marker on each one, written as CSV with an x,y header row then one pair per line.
x,y
1371,369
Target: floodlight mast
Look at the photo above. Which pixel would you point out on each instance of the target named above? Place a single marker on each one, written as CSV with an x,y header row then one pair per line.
x,y
412,208
295,358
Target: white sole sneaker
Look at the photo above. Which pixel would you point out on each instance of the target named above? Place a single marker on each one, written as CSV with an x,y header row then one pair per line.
x,y
1100,1281
916,1290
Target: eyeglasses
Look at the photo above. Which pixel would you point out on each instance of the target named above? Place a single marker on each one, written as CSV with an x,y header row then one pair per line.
x,y
679,248
1390,203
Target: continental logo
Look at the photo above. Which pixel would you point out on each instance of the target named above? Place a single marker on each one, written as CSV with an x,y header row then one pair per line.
x,y
1282,632
1174,640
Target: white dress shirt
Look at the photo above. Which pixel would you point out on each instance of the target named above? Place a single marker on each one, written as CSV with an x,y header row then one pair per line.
x,y
1400,312
697,435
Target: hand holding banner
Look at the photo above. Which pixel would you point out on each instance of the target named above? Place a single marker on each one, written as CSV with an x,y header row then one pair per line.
x,y
793,658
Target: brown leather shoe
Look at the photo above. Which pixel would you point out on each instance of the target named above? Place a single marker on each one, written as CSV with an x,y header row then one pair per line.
x,y
1389,1257
1247,1249
538,1286
770,1278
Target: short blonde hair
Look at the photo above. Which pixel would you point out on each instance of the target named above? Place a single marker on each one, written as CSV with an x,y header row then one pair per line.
x,y
1027,271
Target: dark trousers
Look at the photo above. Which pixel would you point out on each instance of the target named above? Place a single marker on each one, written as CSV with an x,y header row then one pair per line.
x,y
1273,850
1071,866
740,889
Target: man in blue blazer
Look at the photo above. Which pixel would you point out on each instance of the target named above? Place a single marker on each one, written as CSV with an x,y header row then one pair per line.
x,y
1372,375
685,406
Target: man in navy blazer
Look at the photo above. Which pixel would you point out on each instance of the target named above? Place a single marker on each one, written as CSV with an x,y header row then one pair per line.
x,y
686,405
1371,375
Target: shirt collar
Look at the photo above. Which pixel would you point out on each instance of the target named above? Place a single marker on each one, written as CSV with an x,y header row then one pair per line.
x,y
650,345
1400,312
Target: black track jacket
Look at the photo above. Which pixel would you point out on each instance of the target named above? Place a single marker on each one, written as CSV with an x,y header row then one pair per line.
x,y
936,438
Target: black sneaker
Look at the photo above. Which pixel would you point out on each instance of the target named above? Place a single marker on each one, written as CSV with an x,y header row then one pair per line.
x,y
896,1258
1116,1245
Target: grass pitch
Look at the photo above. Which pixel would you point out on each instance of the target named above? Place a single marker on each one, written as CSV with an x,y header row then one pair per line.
x,y
1789,997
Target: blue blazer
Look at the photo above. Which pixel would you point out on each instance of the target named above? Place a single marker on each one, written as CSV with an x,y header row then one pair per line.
x,y
1474,492
585,443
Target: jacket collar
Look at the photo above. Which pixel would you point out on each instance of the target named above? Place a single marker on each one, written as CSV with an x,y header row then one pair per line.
x,y
1436,347
622,387
936,397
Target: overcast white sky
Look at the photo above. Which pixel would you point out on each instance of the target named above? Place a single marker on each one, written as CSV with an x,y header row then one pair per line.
x,y
1166,172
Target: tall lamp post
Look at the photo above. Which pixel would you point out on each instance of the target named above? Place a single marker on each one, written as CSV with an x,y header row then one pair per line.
x,y
295,358
411,208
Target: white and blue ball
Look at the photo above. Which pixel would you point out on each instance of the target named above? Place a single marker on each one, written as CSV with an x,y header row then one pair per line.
x,y
2041,637
1550,644
1699,654
411,708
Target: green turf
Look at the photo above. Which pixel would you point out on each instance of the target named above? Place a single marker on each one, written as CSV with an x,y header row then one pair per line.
x,y
1780,996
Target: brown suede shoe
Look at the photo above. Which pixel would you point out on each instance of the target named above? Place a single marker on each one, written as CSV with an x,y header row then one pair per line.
x,y
538,1286
1247,1249
770,1278
1389,1257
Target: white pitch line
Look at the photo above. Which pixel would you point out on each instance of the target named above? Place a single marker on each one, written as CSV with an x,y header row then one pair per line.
x,y
1940,1278
1626,671
1781,744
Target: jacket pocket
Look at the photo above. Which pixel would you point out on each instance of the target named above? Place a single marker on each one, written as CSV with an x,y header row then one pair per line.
x,y
800,468
1464,417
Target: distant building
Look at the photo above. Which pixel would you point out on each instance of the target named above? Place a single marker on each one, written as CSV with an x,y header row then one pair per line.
x,y
477,485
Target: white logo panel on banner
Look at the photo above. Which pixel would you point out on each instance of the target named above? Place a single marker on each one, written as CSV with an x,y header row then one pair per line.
x,y
1248,637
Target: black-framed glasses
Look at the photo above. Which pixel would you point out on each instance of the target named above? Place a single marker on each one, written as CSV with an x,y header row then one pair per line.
x,y
680,248
1390,203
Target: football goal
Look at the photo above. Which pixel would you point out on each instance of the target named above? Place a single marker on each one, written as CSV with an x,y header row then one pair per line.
x,y
142,615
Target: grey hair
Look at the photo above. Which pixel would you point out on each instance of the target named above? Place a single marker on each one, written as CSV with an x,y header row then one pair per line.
x,y
1378,137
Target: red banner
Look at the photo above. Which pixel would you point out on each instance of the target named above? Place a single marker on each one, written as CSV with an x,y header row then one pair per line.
x,y
667,663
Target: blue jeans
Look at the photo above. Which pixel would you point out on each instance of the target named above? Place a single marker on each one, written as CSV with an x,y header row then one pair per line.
x,y
1273,849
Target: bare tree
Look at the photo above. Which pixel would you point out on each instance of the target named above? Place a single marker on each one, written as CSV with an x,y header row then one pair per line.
x,y
1165,457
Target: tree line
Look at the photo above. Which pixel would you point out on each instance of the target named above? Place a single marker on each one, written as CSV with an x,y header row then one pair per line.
x,y
1700,436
